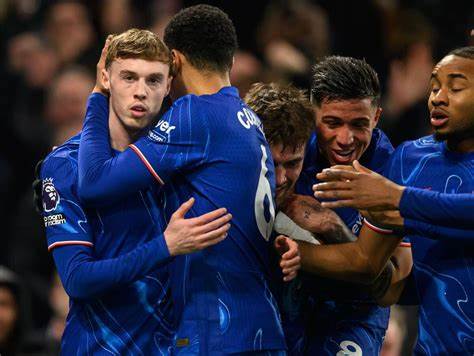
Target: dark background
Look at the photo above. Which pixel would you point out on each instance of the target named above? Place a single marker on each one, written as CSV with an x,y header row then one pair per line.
x,y
48,55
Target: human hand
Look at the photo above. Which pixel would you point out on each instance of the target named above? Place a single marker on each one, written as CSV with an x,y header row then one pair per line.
x,y
189,235
290,261
361,189
99,85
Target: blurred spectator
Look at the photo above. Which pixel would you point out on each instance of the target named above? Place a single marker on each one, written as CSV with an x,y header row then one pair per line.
x,y
292,36
59,302
246,70
65,111
405,110
12,313
44,92
66,103
116,16
70,31
357,30
33,64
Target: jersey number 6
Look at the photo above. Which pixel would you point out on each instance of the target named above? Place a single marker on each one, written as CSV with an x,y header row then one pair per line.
x,y
264,208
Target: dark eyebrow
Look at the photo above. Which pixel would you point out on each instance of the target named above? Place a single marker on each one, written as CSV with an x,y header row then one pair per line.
x,y
331,117
361,120
156,75
125,72
457,75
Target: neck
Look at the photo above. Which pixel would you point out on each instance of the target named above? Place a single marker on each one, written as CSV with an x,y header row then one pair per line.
x,y
203,83
120,136
462,146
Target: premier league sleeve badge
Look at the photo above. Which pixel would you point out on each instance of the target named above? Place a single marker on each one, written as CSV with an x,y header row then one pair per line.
x,y
50,195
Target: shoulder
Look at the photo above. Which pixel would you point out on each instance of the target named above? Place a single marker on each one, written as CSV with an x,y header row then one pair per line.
x,y
423,145
381,140
61,163
378,152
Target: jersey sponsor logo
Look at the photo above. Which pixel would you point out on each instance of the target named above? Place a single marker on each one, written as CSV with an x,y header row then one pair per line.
x,y
161,132
55,219
357,225
50,195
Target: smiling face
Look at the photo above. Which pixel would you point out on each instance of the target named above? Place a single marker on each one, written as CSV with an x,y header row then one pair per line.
x,y
451,101
137,88
344,128
288,164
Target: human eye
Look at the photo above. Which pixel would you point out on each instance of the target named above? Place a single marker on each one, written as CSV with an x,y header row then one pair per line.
x,y
332,123
128,77
154,80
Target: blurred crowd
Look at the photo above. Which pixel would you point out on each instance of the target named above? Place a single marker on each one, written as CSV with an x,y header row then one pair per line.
x,y
48,54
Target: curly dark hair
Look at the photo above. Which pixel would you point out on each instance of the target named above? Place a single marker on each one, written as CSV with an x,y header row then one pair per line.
x,y
285,111
344,78
205,35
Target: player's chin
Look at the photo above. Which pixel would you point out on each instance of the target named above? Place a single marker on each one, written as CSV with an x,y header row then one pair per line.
x,y
281,197
137,123
443,134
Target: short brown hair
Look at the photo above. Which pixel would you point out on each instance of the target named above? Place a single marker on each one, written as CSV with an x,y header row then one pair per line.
x,y
141,44
285,111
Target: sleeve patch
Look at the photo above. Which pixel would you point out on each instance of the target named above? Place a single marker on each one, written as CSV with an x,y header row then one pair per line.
x,y
50,195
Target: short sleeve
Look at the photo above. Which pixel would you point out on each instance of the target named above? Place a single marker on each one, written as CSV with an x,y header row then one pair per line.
x,y
178,143
64,219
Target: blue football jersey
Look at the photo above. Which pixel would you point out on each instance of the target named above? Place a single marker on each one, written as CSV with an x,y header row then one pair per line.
x,y
337,313
212,147
442,269
135,319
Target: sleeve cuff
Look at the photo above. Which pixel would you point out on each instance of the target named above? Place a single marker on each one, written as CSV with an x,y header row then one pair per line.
x,y
377,229
163,251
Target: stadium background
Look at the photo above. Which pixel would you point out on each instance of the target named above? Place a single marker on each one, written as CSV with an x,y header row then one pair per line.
x,y
48,55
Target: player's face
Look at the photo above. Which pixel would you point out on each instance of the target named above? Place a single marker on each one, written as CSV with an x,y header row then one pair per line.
x,y
344,128
137,88
288,164
451,101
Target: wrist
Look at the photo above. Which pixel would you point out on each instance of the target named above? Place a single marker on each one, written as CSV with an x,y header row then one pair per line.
x,y
169,245
396,197
100,90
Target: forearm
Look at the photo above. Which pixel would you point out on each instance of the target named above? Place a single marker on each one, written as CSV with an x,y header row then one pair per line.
x,y
402,263
436,232
83,276
361,261
339,233
393,293
103,177
451,210
342,261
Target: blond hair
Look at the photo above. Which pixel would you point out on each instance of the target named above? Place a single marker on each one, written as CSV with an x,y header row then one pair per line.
x,y
141,44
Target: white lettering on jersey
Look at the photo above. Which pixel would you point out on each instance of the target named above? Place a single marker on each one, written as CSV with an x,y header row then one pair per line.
x,y
164,126
248,118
